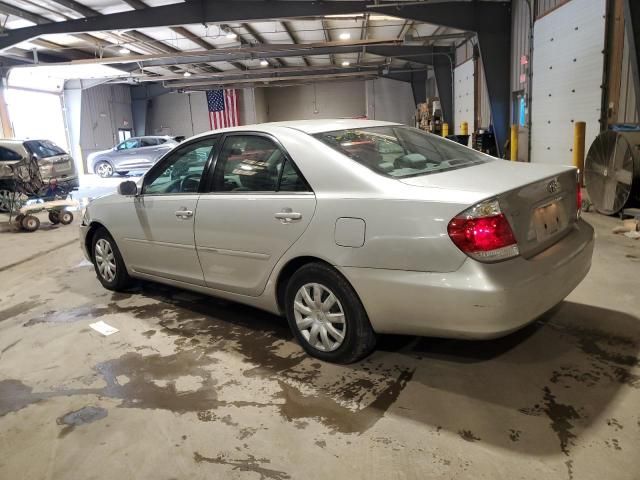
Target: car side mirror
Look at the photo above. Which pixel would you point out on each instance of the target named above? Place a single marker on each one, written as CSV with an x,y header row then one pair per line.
x,y
128,188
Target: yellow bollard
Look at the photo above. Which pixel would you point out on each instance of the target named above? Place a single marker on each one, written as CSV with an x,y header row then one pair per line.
x,y
514,143
445,130
464,128
578,148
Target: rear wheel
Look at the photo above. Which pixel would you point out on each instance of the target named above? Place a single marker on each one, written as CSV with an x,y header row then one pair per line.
x,y
326,315
65,217
123,174
108,262
104,169
54,218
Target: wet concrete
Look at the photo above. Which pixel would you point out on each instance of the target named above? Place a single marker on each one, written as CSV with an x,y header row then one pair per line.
x,y
203,388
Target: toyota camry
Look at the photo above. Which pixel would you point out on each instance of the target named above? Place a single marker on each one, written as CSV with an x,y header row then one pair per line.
x,y
349,228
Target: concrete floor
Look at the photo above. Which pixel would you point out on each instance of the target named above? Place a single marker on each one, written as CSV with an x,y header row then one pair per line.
x,y
194,387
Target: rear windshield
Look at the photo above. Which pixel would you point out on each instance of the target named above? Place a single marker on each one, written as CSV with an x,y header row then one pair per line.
x,y
401,152
44,148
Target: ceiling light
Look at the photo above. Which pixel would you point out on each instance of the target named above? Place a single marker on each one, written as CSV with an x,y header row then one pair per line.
x,y
344,36
125,51
230,35
346,63
264,63
186,74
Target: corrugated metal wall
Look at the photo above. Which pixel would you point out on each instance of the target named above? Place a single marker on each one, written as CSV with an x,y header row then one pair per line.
x,y
105,108
545,6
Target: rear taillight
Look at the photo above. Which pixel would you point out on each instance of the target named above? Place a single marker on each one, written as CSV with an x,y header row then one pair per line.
x,y
484,233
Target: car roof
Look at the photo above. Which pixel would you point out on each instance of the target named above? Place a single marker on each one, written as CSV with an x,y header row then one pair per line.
x,y
310,127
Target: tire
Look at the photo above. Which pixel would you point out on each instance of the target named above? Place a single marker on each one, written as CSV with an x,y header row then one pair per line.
x,y
345,317
54,218
65,217
103,169
18,220
30,223
123,174
120,279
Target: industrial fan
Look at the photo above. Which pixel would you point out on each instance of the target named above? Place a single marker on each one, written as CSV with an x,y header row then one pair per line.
x,y
612,171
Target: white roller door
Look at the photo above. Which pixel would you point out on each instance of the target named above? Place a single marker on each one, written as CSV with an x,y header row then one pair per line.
x,y
568,66
463,101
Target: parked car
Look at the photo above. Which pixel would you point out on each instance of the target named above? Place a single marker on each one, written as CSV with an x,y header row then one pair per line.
x,y
350,228
136,153
53,161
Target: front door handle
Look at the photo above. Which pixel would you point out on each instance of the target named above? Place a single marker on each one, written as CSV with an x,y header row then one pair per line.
x,y
183,214
288,216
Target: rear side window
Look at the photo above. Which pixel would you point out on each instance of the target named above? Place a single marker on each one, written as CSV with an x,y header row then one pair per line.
x,y
252,163
401,152
7,155
148,142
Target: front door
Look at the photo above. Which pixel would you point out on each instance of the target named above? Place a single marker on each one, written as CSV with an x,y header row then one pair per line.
x,y
161,240
258,206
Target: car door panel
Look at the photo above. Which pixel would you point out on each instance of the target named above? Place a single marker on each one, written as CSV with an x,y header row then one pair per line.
x,y
247,223
239,239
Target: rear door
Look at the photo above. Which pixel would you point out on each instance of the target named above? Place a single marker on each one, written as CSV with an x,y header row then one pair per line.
x,y
158,238
258,205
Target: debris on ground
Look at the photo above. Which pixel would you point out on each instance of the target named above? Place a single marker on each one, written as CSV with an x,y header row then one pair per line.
x,y
631,226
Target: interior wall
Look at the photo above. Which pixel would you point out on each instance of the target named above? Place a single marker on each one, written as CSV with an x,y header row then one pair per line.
x,y
260,104
177,114
320,100
390,100
105,108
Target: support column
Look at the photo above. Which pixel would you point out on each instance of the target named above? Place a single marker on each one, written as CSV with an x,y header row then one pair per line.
x,y
72,98
419,87
5,121
443,69
632,27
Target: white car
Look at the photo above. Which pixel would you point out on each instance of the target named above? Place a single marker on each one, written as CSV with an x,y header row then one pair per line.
x,y
350,228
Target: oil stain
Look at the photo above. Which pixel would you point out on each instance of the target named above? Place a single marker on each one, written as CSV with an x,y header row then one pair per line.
x,y
17,309
85,415
249,464
68,316
468,436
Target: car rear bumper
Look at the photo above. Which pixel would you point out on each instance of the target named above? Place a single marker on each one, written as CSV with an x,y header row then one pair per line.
x,y
478,300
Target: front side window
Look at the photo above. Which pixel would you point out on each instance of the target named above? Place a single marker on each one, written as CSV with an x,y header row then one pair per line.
x,y
251,163
43,148
400,152
129,144
182,171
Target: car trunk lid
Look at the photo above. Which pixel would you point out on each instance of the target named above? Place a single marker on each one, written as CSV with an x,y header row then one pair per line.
x,y
539,201
59,166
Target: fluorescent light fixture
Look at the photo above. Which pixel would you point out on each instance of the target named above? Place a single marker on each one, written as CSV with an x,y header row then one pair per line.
x,y
264,63
346,63
186,74
125,51
230,35
344,36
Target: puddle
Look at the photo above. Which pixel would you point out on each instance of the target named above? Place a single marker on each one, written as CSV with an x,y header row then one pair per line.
x,y
76,418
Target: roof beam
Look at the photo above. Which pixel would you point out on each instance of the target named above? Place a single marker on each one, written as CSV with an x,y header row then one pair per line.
x,y
260,39
294,39
196,11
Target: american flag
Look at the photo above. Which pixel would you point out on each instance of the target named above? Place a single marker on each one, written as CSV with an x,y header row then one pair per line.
x,y
223,108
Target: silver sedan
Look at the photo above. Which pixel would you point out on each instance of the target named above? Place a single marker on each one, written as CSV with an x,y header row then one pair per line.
x,y
349,228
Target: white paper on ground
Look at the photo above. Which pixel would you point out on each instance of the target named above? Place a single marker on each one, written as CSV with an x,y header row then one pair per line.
x,y
103,328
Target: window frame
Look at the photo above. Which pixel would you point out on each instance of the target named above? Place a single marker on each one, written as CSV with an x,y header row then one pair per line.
x,y
215,164
171,157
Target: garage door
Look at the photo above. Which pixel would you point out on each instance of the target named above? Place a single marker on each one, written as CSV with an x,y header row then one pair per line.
x,y
568,67
463,91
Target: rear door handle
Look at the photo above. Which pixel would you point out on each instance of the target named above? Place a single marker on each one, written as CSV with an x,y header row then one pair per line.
x,y
183,214
288,216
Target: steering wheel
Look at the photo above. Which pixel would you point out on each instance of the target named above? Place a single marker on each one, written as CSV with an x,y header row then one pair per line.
x,y
194,178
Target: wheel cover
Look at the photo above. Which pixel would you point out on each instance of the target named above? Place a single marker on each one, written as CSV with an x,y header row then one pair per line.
x,y
105,170
319,317
105,260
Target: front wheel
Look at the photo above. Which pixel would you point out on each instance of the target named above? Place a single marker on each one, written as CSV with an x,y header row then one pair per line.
x,y
104,169
108,262
326,315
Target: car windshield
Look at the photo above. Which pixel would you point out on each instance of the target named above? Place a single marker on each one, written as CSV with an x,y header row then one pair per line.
x,y
401,152
44,148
